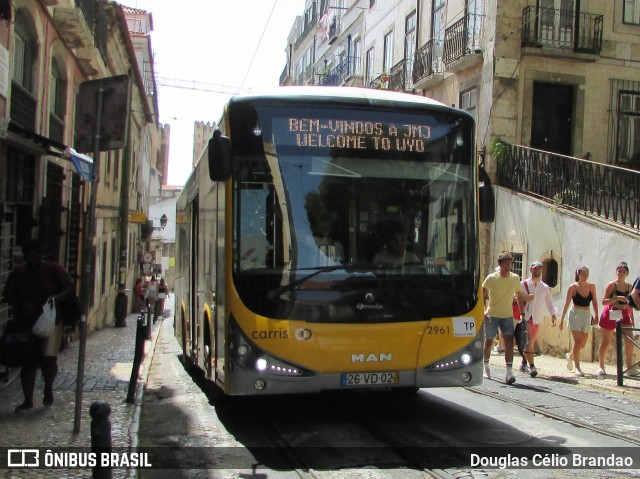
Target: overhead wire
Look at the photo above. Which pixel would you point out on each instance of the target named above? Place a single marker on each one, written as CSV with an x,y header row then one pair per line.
x,y
258,46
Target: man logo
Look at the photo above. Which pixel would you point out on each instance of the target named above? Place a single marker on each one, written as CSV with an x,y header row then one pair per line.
x,y
303,334
371,358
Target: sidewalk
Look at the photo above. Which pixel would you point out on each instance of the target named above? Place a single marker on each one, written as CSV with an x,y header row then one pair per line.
x,y
108,364
555,369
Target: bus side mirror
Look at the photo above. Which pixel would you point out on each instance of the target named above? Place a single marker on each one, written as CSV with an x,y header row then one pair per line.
x,y
219,157
486,198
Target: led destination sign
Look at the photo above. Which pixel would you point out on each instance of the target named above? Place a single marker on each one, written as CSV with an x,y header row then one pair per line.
x,y
363,135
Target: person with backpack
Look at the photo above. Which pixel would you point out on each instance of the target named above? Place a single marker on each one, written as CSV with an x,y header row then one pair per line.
x,y
536,296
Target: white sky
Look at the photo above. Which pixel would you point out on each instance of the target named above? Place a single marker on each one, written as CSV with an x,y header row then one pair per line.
x,y
213,41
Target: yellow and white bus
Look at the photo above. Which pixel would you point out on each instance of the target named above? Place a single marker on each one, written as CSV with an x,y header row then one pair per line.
x,y
328,239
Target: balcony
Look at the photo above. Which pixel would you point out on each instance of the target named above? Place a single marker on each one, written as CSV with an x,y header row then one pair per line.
x,y
463,38
77,21
400,77
605,191
335,29
562,30
23,107
340,74
428,66
381,82
56,128
309,27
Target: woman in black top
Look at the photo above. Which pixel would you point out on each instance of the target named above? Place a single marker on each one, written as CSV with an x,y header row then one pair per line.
x,y
582,293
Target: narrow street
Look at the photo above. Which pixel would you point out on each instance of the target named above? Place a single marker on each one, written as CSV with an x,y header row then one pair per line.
x,y
433,432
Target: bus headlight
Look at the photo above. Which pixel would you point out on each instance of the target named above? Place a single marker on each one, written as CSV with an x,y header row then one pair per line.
x,y
466,358
462,358
262,364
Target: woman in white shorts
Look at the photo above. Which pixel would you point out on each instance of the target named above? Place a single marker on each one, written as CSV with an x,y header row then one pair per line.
x,y
583,294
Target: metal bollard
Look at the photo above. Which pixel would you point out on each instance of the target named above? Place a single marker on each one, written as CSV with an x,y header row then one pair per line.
x,y
619,353
137,359
149,322
100,436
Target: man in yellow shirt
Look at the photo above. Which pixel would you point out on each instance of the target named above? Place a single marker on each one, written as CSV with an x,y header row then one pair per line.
x,y
499,288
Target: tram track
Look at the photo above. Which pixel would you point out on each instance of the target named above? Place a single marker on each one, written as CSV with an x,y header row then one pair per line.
x,y
564,418
405,458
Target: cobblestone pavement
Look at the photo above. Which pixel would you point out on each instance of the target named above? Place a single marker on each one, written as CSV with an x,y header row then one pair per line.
x,y
555,369
107,372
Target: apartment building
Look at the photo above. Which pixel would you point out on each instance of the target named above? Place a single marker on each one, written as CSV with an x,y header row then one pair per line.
x,y
47,51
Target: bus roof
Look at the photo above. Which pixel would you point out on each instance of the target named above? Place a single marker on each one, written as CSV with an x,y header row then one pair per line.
x,y
346,94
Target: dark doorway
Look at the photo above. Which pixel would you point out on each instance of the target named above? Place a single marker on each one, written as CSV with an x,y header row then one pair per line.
x,y
552,117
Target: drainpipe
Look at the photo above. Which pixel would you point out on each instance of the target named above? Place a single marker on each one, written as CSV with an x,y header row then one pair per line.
x,y
120,310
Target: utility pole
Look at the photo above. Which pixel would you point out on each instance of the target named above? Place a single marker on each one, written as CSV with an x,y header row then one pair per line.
x,y
102,113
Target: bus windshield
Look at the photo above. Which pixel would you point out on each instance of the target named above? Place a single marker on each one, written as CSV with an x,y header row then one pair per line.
x,y
353,215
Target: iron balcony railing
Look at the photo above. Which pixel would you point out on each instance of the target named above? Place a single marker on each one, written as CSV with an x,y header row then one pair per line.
x,y
23,107
339,74
562,29
56,128
606,191
400,77
462,38
381,82
428,60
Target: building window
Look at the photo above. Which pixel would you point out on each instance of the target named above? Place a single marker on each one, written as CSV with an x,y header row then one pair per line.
x,y
519,254
370,66
631,12
57,102
387,59
409,47
551,270
629,129
357,56
517,264
469,101
24,52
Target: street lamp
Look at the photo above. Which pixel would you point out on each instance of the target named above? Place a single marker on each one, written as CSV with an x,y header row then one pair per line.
x,y
163,223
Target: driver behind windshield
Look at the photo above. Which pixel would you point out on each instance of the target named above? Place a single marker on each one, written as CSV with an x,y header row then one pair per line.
x,y
330,248
394,252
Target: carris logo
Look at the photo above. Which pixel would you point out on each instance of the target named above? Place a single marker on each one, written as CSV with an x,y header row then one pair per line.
x,y
371,358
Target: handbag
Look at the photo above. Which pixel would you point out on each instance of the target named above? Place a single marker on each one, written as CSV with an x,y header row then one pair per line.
x,y
18,348
522,336
70,311
46,323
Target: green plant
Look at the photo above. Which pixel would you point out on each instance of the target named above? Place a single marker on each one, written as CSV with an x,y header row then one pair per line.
x,y
499,149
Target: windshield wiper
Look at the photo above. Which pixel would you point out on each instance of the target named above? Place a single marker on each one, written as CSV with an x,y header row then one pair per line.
x,y
292,285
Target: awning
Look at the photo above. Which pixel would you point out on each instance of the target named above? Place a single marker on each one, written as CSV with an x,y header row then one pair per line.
x,y
82,163
30,140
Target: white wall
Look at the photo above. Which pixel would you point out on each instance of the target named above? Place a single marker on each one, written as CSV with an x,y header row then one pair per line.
x,y
576,237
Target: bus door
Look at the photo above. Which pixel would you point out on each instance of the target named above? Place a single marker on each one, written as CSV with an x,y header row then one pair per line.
x,y
193,280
